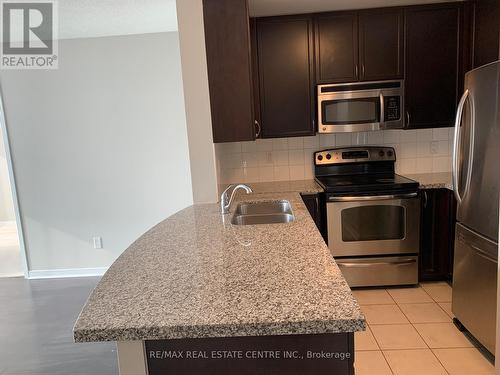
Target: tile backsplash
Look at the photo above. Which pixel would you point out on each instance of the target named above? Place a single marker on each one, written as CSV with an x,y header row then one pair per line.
x,y
281,159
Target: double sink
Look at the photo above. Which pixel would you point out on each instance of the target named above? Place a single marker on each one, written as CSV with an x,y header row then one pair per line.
x,y
264,212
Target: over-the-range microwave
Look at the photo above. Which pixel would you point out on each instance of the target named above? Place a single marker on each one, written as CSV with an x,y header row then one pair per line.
x,y
360,106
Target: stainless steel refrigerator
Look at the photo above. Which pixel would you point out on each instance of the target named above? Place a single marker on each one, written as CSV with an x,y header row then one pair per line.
x,y
476,184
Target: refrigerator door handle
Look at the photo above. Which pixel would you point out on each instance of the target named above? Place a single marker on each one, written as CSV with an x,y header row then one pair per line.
x,y
471,144
456,142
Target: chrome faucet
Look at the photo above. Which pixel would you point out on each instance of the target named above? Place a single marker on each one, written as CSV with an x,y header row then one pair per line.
x,y
225,202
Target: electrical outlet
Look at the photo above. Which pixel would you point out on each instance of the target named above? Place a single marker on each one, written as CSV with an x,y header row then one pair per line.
x,y
434,147
269,158
97,241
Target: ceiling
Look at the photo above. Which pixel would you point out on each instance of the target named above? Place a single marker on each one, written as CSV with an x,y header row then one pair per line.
x,y
260,8
95,18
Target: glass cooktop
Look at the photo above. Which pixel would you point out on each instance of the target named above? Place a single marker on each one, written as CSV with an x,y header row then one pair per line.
x,y
366,183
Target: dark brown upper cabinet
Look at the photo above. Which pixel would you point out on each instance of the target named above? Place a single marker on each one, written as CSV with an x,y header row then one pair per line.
x,y
337,47
227,39
381,44
365,45
486,31
286,76
434,64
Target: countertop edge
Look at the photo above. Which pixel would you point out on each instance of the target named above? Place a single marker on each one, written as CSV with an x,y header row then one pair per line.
x,y
245,330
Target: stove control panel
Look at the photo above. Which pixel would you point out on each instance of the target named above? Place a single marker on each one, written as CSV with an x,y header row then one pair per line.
x,y
354,155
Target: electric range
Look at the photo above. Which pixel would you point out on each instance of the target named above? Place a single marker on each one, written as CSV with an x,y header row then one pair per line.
x,y
373,215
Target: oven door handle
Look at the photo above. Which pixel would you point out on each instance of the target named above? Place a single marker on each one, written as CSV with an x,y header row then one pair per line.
x,y
404,262
371,197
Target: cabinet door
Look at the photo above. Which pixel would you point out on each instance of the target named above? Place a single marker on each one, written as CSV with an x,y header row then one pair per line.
x,y
337,47
433,78
311,201
227,40
381,44
437,234
286,76
486,31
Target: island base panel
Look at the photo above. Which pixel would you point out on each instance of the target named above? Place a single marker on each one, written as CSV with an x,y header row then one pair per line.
x,y
274,355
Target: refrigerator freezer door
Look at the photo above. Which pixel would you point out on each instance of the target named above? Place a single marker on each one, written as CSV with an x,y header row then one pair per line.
x,y
475,285
480,124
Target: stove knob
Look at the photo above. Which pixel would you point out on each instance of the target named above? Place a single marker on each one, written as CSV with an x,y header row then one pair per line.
x,y
328,156
320,157
390,153
381,153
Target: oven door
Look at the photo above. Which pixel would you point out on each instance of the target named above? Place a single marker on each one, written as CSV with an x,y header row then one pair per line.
x,y
373,225
350,112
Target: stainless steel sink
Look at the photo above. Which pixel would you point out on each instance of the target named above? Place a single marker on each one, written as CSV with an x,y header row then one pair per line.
x,y
264,212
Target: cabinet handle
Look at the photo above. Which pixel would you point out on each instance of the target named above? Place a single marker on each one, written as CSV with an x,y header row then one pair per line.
x,y
258,129
425,199
407,119
362,70
356,70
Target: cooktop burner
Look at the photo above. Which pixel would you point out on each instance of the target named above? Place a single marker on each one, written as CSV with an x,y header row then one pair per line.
x,y
360,170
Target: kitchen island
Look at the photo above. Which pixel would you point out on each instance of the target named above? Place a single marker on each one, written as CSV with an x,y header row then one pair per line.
x,y
197,284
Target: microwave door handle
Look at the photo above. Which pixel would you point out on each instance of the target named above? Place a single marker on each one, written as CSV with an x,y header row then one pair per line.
x,y
382,106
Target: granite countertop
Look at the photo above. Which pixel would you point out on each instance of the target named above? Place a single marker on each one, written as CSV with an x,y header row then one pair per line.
x,y
432,180
194,276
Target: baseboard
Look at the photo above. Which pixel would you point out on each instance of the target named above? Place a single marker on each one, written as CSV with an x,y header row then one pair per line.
x,y
71,272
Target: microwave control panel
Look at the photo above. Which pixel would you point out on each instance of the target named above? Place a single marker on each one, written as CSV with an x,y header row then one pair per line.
x,y
392,108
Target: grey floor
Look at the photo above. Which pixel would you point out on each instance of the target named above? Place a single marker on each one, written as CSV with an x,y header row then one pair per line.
x,y
36,321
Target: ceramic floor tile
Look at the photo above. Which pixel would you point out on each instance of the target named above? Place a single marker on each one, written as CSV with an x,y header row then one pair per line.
x,y
464,362
372,297
371,363
409,295
364,340
414,362
383,314
440,292
446,306
425,313
397,336
442,335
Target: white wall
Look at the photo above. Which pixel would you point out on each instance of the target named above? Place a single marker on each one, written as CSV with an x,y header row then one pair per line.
x,y
417,151
197,100
6,204
99,147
